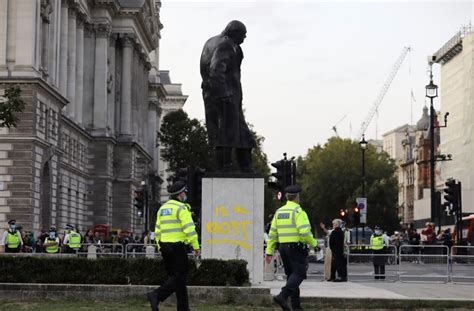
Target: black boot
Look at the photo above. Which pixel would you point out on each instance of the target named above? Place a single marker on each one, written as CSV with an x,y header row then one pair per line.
x,y
153,299
281,301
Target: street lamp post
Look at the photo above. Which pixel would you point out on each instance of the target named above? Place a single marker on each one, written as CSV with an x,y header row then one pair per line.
x,y
431,93
363,146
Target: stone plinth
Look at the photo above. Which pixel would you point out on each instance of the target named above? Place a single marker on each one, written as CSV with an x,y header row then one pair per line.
x,y
232,221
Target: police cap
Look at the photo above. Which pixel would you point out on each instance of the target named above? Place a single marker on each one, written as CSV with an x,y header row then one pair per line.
x,y
12,222
177,187
293,189
69,227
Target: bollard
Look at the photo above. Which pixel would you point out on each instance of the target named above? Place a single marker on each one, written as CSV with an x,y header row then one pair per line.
x,y
150,251
91,252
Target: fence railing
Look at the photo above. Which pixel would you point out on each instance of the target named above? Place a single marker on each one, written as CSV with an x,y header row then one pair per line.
x,y
424,262
365,263
462,264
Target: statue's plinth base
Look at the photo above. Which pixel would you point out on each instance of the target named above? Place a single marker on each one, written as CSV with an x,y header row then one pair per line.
x,y
232,220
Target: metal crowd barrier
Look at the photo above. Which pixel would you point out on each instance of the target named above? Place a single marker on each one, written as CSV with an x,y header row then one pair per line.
x,y
462,264
97,250
424,262
361,260
316,272
136,250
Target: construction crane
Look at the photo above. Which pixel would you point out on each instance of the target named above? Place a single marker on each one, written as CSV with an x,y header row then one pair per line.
x,y
334,128
383,91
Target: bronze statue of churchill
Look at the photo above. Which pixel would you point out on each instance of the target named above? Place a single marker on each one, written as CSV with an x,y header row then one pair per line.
x,y
222,93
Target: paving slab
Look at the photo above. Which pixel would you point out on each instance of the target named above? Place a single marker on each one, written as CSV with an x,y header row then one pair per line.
x,y
380,290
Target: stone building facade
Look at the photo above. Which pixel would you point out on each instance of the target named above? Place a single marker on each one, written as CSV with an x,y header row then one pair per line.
x,y
456,97
409,146
89,74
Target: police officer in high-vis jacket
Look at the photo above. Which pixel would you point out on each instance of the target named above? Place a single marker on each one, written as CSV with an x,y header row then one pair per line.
x,y
51,242
12,238
174,233
378,243
292,230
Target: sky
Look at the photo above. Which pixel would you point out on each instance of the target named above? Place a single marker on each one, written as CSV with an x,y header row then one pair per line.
x,y
312,65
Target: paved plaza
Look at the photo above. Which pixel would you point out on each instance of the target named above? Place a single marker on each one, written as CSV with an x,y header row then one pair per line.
x,y
380,290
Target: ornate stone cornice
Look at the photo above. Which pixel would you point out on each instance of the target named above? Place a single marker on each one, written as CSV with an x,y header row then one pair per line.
x,y
102,30
88,30
81,19
128,40
72,12
46,10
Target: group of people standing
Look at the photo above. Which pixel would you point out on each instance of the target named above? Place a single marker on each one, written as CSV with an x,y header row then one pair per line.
x,y
48,242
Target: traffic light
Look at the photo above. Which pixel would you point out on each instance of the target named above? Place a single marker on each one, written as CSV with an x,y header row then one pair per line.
x,y
281,178
139,199
343,215
356,216
451,196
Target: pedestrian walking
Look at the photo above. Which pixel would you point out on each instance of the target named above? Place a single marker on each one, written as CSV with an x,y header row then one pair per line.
x,y
174,233
378,243
337,243
12,238
292,230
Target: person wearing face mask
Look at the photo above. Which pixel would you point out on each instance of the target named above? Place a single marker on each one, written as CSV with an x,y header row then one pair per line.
x,y
378,242
174,233
12,238
51,243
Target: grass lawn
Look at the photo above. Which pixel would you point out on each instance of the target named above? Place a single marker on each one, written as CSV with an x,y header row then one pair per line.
x,y
142,305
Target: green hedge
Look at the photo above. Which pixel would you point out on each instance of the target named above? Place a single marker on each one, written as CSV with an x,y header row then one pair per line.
x,y
143,271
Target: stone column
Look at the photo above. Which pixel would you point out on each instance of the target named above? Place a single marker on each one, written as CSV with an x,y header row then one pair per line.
x,y
100,78
45,47
151,143
88,74
11,35
71,63
111,86
126,99
63,48
79,69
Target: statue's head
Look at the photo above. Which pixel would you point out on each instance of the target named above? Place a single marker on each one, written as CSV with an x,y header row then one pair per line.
x,y
236,31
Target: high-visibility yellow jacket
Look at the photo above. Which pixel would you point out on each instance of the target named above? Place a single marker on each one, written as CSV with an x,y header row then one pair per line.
x,y
175,224
13,239
74,240
290,224
376,242
51,246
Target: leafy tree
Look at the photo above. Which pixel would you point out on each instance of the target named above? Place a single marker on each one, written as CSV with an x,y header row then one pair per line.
x,y
330,176
11,107
260,164
185,142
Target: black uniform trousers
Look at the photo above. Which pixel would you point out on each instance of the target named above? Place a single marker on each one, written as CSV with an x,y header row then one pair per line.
x,y
379,263
175,258
12,250
339,265
295,262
